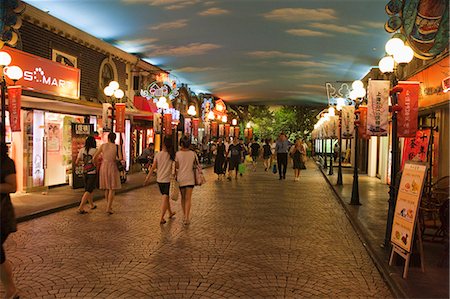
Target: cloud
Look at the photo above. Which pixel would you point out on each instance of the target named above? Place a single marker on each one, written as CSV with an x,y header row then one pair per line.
x,y
276,54
136,45
301,14
313,86
166,4
228,85
307,76
299,63
193,69
306,32
352,29
375,25
170,25
213,11
188,50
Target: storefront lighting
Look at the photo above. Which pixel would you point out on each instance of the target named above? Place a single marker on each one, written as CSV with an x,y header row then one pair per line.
x,y
331,111
211,115
394,45
248,125
224,119
386,64
114,85
405,55
118,94
5,59
191,111
15,73
357,84
108,91
234,122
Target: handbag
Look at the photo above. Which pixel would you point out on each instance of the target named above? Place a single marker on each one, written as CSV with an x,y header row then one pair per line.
x,y
88,166
174,187
198,173
118,162
274,168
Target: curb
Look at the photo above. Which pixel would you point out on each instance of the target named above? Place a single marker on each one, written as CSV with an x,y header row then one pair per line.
x,y
379,262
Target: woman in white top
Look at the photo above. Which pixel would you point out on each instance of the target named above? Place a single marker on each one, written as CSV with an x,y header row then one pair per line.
x,y
163,162
184,161
86,155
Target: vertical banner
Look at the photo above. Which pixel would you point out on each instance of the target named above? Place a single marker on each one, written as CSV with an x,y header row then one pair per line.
x,y
107,117
246,133
227,130
187,126
326,129
378,108
236,132
14,103
195,127
231,131
214,129
250,133
157,122
120,117
334,127
168,124
362,128
416,148
408,99
221,130
348,121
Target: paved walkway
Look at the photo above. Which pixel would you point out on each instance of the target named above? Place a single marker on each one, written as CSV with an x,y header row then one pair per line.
x,y
256,237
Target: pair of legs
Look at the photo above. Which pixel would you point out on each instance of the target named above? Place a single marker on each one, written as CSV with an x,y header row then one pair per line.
x,y
164,188
90,180
186,196
297,174
6,274
267,163
87,197
109,196
282,159
254,162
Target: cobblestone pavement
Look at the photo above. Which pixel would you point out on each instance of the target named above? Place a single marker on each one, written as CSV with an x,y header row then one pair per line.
x,y
256,237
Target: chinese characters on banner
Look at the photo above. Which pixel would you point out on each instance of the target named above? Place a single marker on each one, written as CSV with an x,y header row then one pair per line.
x,y
416,148
378,108
221,129
120,117
250,133
408,99
168,124
227,130
334,127
14,103
362,128
214,129
195,127
348,121
245,133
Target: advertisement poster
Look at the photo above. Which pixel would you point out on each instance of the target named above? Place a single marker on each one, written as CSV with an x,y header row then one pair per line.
x,y
79,134
214,127
348,121
408,201
120,117
362,128
54,136
378,108
416,148
14,103
107,117
408,99
38,148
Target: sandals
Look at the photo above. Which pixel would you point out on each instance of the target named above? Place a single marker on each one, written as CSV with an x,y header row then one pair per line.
x,y
80,212
94,207
162,221
171,215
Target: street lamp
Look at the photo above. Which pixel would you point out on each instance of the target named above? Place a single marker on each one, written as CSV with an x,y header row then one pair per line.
x,y
114,93
358,92
331,112
162,105
399,54
211,117
234,122
192,112
15,73
339,106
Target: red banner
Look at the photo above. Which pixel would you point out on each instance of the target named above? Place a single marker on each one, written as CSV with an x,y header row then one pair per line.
x,y
416,148
214,127
362,128
195,127
227,130
120,117
14,103
168,124
407,118
250,133
236,132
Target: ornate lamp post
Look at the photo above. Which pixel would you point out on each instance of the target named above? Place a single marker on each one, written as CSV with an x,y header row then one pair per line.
x,y
357,93
162,105
339,106
191,111
15,73
114,93
399,54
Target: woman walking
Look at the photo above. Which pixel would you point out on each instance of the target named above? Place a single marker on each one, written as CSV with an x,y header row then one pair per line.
x,y
8,185
184,161
163,164
297,154
267,154
109,173
220,160
86,155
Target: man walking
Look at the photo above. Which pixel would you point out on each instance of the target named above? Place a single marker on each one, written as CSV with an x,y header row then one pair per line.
x,y
254,149
282,149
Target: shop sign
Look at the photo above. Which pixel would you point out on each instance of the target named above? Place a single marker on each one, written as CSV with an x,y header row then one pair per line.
x,y
227,130
82,129
14,103
120,117
46,76
378,108
408,100
362,128
214,128
416,148
348,121
168,124
236,132
195,126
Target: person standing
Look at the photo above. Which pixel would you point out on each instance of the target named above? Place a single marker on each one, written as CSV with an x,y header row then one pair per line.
x,y
184,161
236,153
227,144
220,159
244,152
8,185
163,164
109,173
282,149
254,149
86,155
298,153
267,154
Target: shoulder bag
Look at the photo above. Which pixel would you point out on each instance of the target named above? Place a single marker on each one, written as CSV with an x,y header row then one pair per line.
x,y
198,173
118,162
174,188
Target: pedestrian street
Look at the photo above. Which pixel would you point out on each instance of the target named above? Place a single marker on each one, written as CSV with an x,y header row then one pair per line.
x,y
255,237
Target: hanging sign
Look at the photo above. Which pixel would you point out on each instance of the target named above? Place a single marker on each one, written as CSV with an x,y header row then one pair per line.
x,y
14,104
378,108
416,148
227,130
236,132
246,133
195,126
407,117
334,127
120,117
221,130
362,128
168,124
250,133
107,117
348,121
214,127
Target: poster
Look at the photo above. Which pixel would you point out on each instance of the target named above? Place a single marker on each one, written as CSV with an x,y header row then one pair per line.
x,y
79,134
408,201
14,104
120,117
378,108
362,128
416,148
54,136
348,121
195,127
107,117
407,118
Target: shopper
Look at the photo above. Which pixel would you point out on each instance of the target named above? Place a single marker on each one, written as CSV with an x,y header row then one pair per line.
x,y
227,144
220,159
267,154
163,164
86,155
236,152
282,149
254,151
147,155
298,155
8,185
109,173
184,161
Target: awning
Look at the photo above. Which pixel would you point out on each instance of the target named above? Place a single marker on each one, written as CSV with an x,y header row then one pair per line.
x,y
145,105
